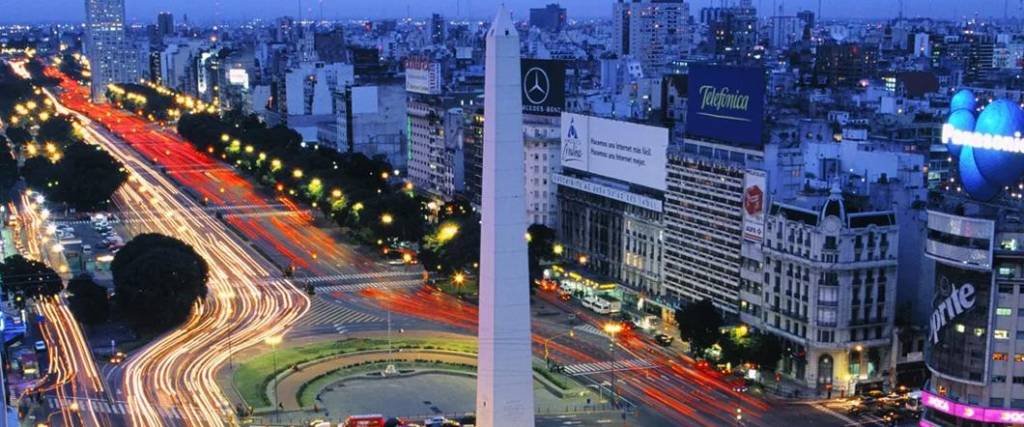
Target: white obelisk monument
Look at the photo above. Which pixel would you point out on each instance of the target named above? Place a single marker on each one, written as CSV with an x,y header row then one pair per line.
x,y
504,385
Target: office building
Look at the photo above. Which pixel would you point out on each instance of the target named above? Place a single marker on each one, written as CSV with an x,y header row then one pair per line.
x,y
824,280
105,45
651,31
551,18
165,24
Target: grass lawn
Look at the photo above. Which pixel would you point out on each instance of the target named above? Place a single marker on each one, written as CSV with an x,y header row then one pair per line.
x,y
307,394
253,375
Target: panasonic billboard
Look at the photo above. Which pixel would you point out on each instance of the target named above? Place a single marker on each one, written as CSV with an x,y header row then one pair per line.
x,y
621,150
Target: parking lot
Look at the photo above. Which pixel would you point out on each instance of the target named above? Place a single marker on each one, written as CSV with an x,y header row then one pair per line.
x,y
90,242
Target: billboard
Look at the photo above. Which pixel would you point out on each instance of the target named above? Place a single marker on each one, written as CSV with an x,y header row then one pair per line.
x,y
755,200
422,76
543,86
958,328
626,151
960,240
726,103
608,192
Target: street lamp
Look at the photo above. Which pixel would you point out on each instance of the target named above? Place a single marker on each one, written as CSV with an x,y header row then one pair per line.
x,y
273,341
447,232
387,219
612,328
739,416
571,333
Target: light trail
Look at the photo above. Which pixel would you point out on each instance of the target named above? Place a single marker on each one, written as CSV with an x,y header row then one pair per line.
x,y
245,304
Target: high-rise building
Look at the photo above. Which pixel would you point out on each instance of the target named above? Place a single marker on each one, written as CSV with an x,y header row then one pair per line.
x,y
733,30
504,389
165,24
550,18
438,29
651,31
105,44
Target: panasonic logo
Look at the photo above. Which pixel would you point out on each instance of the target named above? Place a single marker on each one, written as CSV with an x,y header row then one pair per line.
x,y
959,301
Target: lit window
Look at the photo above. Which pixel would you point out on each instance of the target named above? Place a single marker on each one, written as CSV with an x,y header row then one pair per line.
x,y
1018,357
1001,334
1002,311
979,332
960,328
1000,356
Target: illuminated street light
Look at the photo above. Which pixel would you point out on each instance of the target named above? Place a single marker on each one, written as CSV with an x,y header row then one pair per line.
x,y
297,173
387,219
583,259
612,328
447,232
558,249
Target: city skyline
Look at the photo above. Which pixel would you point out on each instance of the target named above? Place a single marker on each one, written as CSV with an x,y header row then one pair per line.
x,y
144,11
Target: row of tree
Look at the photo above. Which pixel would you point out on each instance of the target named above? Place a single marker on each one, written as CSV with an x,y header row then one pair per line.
x,y
701,325
157,281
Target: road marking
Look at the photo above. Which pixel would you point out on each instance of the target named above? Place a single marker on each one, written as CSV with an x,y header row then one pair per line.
x,y
610,366
356,287
322,312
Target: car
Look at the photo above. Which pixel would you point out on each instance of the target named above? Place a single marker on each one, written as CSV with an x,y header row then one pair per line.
x,y
564,296
66,228
86,249
664,340
117,358
40,346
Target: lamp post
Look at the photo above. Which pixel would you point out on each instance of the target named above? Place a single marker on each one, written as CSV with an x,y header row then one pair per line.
x,y
547,353
612,328
273,341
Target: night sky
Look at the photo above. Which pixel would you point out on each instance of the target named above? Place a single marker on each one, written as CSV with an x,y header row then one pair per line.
x,y
205,11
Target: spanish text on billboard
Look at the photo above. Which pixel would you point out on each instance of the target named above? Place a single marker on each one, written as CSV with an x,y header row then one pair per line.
x,y
626,151
726,104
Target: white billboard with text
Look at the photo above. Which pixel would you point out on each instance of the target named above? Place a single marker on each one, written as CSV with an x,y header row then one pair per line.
x,y
626,151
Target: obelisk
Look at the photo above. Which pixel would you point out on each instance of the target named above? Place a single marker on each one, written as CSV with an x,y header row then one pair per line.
x,y
504,389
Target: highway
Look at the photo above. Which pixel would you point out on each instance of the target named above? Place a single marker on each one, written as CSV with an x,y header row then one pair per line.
x,y
171,381
249,302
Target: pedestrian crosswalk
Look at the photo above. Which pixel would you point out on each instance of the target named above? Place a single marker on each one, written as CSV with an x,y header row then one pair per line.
x,y
601,367
359,276
323,312
356,287
590,329
113,407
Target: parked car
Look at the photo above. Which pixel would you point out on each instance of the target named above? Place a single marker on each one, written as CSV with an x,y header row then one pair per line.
x,y
40,346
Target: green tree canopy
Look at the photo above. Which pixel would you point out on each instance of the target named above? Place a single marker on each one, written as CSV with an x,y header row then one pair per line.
x,y
88,300
157,279
26,278
699,323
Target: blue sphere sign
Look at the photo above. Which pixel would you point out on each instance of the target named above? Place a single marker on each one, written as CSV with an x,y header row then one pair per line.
x,y
989,147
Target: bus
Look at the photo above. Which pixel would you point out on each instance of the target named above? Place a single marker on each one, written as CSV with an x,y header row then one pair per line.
x,y
365,421
602,304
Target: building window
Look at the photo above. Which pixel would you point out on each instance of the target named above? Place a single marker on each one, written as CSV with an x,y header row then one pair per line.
x,y
996,402
1018,357
1001,334
1001,378
1018,380
960,328
1017,403
1000,356
979,332
1003,311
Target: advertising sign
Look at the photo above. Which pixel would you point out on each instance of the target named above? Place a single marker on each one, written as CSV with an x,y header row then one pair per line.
x,y
971,412
958,329
726,104
960,240
422,76
621,150
609,192
543,86
755,188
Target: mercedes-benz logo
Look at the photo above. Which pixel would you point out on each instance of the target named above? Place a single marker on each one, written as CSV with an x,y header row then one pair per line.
x,y
536,85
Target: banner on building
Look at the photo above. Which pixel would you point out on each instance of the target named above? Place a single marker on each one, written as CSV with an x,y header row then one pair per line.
x,y
543,86
755,199
621,150
726,103
609,192
422,76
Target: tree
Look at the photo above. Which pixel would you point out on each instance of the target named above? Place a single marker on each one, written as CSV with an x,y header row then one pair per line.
x,y
766,351
26,279
88,300
19,136
700,324
58,130
540,248
157,279
88,176
8,170
39,173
